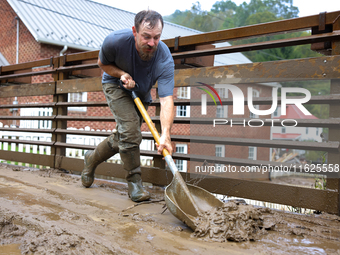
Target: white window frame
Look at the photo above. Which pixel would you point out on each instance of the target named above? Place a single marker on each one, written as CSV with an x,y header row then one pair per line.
x,y
180,163
256,93
183,110
221,153
254,152
83,99
222,91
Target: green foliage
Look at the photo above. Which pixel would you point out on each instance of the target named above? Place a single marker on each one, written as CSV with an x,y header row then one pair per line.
x,y
315,156
226,14
316,88
197,19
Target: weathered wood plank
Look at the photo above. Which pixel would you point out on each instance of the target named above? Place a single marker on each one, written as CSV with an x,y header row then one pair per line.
x,y
39,89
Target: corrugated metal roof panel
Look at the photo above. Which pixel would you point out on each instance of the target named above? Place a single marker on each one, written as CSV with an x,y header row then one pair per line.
x,y
81,23
84,24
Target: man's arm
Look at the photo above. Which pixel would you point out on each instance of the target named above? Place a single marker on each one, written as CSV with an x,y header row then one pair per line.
x,y
167,118
114,71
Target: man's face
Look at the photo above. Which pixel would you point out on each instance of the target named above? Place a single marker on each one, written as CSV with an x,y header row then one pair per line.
x,y
147,39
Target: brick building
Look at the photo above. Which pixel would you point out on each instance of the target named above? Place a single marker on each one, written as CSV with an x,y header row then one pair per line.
x,y
37,30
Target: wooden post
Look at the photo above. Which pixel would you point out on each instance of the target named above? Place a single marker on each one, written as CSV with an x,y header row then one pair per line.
x,y
59,110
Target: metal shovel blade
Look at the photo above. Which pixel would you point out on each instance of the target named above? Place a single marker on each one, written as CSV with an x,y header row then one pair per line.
x,y
181,208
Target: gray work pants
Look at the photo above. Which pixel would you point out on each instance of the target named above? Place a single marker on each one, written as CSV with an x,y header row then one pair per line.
x,y
127,116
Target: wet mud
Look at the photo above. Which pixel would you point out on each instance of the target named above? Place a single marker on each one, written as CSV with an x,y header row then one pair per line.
x,y
231,222
49,212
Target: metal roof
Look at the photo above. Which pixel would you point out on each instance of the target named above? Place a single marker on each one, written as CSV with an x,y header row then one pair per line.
x,y
84,24
80,24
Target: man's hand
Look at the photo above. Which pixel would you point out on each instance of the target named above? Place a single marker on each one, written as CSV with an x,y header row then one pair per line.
x,y
165,143
127,80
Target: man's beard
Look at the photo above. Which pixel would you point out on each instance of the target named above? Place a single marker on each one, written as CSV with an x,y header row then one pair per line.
x,y
146,56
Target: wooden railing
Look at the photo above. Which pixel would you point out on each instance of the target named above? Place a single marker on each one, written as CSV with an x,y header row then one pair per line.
x,y
80,73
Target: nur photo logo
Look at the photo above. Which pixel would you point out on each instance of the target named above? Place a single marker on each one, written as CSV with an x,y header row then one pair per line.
x,y
238,103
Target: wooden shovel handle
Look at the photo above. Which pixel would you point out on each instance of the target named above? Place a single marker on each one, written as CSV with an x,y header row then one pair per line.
x,y
148,121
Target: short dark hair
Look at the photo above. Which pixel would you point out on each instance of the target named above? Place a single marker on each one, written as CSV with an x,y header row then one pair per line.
x,y
148,16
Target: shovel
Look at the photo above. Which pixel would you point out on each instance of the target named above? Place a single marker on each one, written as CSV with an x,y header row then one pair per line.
x,y
185,202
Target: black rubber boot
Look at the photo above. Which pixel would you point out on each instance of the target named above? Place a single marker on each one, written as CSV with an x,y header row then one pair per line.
x,y
105,150
136,191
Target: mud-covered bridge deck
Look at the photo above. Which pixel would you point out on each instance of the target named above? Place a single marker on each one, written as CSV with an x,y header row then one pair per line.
x,y
49,212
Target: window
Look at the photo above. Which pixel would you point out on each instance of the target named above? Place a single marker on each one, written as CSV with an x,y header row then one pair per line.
x,y
221,91
283,130
183,110
77,97
256,93
183,93
219,152
221,111
181,164
306,130
252,153
317,131
276,112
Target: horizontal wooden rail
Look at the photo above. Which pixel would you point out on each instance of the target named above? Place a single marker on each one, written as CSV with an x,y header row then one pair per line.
x,y
276,27
36,89
257,166
19,75
30,158
89,55
27,65
320,68
29,130
259,46
325,123
27,117
327,99
77,67
302,145
32,142
41,105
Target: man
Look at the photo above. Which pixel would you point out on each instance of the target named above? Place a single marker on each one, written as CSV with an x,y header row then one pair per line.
x,y
129,57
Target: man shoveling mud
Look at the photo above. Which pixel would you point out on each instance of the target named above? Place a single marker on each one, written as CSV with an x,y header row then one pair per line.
x,y
129,58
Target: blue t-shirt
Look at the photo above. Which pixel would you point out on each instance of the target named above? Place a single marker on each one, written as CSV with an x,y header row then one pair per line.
x,y
119,49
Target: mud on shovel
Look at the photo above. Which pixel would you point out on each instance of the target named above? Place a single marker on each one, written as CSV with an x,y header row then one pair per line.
x,y
184,201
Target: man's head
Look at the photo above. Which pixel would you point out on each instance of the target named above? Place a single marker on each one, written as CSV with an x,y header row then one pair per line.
x,y
147,32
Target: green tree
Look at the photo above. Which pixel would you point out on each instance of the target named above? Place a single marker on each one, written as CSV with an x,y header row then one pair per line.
x,y
197,19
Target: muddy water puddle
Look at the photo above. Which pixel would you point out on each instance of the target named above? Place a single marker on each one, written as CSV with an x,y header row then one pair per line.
x,y
297,245
10,249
